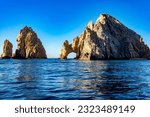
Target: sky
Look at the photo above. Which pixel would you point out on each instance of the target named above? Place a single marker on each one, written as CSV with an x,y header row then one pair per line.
x,y
55,21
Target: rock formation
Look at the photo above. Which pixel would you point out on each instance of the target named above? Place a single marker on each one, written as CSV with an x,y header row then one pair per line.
x,y
107,39
29,45
66,49
7,50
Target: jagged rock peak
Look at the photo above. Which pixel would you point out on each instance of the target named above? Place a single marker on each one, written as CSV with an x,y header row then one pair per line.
x,y
26,28
7,50
25,31
90,25
29,45
105,17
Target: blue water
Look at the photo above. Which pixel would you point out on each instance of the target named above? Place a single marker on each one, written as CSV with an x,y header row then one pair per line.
x,y
55,79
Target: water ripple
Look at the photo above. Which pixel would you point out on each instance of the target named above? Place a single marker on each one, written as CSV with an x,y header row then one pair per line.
x,y
54,79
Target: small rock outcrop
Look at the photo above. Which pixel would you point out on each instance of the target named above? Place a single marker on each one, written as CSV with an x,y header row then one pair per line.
x,y
107,39
29,45
7,50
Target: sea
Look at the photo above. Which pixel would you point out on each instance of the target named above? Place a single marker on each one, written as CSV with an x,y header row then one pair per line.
x,y
55,79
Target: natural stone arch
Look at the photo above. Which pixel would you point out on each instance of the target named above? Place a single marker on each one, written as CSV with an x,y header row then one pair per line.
x,y
70,48
66,50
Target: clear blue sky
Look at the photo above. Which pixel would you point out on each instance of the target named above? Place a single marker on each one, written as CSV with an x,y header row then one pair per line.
x,y
57,20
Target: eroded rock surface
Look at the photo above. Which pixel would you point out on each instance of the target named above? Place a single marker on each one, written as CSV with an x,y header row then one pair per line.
x,y
29,45
66,49
7,50
107,39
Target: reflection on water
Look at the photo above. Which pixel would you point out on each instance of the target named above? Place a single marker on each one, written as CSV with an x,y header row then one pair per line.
x,y
71,79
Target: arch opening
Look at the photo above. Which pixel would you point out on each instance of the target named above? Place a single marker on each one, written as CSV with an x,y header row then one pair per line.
x,y
71,55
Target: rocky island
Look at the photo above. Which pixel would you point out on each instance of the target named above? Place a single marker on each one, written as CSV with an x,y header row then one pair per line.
x,y
29,46
107,39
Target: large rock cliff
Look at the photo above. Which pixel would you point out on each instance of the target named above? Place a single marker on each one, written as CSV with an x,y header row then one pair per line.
x,y
7,50
29,45
107,39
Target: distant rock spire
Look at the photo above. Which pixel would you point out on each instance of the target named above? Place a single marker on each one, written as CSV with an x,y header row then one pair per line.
x,y
7,50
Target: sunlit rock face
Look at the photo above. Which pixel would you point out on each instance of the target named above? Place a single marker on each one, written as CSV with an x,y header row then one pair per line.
x,y
29,45
66,49
108,39
7,50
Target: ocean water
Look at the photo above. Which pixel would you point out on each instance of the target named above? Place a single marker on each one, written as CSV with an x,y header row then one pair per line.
x,y
55,79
